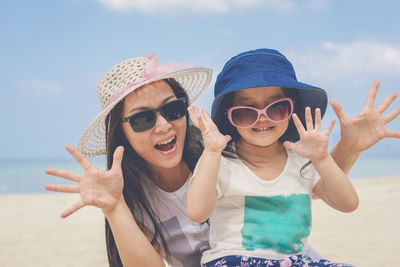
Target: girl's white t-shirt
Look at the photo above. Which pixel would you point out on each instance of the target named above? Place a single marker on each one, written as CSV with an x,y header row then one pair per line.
x,y
260,218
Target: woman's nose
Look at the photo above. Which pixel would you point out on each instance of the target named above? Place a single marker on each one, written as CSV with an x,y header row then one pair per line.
x,y
162,125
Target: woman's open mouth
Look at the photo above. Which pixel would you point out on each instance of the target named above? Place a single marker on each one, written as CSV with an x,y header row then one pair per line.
x,y
166,145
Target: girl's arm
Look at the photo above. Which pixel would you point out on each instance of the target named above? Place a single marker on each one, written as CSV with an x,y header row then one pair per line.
x,y
334,187
202,193
103,189
360,132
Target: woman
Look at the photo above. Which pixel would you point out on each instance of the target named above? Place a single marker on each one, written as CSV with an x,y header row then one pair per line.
x,y
151,152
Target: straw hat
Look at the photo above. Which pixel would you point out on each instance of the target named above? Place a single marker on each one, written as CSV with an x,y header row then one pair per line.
x,y
129,75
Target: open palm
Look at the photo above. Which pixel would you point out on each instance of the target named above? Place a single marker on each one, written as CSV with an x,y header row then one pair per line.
x,y
213,139
367,128
102,189
313,142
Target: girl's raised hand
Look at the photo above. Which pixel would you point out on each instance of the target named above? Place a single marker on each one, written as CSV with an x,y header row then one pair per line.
x,y
213,140
102,189
313,142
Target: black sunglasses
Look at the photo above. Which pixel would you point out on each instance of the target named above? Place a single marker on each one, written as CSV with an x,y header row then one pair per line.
x,y
145,120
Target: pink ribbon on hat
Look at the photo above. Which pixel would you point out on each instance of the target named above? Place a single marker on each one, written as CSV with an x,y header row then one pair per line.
x,y
151,70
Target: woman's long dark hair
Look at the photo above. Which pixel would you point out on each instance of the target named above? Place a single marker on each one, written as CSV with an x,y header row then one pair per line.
x,y
135,169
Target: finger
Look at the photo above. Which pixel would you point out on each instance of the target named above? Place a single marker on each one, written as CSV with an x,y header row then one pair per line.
x,y
117,158
338,110
386,103
330,127
289,145
64,174
391,115
372,94
298,124
64,188
317,119
392,134
200,122
309,123
192,116
85,164
75,207
206,116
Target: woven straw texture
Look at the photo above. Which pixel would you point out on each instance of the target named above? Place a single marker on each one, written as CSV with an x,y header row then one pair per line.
x,y
92,142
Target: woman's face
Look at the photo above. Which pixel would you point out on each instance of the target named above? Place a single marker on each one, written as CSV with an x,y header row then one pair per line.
x,y
264,132
162,145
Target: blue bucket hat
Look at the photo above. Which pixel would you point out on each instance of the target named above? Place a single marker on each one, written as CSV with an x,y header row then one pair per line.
x,y
259,68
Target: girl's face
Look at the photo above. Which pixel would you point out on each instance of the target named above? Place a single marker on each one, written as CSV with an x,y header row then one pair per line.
x,y
264,132
162,145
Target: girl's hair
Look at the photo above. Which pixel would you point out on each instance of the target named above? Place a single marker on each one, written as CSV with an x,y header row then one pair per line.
x,y
226,128
135,170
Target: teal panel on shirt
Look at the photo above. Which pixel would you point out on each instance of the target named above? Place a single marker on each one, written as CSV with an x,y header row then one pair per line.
x,y
277,223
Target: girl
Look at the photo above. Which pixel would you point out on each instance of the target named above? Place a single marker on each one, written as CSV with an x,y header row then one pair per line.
x,y
258,194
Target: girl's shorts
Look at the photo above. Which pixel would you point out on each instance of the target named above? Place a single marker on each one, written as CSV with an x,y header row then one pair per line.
x,y
296,261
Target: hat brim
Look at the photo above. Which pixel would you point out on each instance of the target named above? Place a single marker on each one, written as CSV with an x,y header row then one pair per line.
x,y
193,80
307,96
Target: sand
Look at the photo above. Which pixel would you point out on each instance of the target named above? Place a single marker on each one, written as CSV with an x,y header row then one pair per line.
x,y
369,236
33,234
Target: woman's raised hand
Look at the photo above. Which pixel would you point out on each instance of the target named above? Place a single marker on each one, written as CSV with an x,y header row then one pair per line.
x,y
362,131
313,142
213,140
102,189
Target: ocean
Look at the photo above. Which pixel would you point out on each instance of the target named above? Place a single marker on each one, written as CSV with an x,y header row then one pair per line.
x,y
28,176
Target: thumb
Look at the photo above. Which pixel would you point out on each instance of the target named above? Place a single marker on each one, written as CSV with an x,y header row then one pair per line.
x,y
338,110
289,145
117,158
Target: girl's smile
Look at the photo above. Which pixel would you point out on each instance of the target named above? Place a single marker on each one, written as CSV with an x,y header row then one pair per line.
x,y
265,132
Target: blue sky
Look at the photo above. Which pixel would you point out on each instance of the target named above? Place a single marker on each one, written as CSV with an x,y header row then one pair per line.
x,y
52,53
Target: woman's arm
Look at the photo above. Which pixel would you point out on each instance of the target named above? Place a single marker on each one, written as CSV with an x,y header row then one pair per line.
x,y
103,189
133,244
202,193
362,131
334,187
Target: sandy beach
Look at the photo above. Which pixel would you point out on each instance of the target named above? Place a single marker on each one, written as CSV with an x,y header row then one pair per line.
x,y
369,236
33,234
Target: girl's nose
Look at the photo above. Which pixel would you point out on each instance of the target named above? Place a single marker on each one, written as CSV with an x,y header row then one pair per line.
x,y
162,125
263,117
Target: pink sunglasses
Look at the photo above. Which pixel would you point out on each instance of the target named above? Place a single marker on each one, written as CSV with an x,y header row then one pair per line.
x,y
246,116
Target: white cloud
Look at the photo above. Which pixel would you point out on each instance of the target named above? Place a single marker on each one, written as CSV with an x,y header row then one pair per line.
x,y
42,88
200,6
318,4
360,59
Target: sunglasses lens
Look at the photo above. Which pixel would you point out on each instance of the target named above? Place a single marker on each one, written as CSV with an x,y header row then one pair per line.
x,y
143,121
243,117
174,110
280,110
146,120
